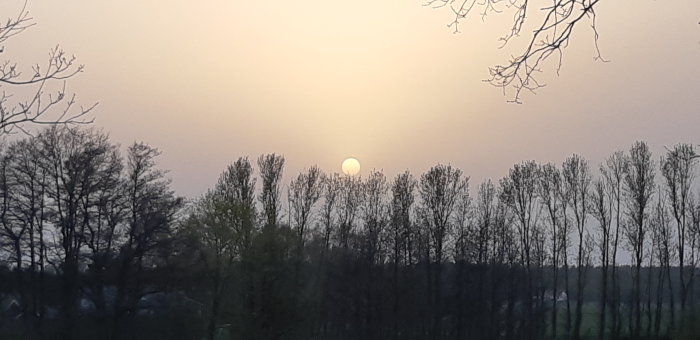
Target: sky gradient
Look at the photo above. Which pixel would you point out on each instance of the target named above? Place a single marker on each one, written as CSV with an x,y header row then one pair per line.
x,y
383,81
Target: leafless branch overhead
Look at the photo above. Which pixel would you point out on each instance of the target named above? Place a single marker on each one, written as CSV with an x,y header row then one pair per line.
x,y
44,99
549,38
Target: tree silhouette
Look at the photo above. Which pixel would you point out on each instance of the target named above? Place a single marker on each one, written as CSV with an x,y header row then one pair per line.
x,y
94,244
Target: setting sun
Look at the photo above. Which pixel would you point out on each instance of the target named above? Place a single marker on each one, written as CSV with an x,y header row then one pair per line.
x,y
351,166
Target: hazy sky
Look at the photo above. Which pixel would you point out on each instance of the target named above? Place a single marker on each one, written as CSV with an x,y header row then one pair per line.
x,y
384,81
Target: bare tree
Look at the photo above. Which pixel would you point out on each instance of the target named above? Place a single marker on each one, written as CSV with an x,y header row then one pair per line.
x,y
485,210
374,215
602,212
27,181
502,255
565,197
106,210
13,231
466,239
403,196
549,188
440,189
481,222
47,100
519,190
613,172
77,223
509,254
76,162
374,212
678,170
639,186
401,230
577,180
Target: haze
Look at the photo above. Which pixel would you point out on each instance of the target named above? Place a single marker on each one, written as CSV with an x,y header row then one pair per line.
x,y
383,81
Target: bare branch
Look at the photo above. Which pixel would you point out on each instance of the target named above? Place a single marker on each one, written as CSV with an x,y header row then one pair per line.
x,y
548,39
40,106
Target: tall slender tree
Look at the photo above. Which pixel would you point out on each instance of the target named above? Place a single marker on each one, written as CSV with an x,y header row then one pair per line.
x,y
577,180
519,190
548,190
602,212
440,189
678,169
613,171
639,187
466,239
401,229
663,243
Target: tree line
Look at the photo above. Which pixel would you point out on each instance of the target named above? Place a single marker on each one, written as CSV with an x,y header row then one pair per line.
x,y
95,243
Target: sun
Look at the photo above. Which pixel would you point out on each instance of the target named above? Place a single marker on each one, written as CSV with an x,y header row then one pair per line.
x,y
351,166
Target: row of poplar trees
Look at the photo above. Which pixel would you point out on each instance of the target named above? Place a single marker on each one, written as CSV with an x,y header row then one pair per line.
x,y
549,251
536,256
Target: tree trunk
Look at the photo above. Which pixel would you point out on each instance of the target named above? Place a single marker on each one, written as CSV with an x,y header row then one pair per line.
x,y
603,300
